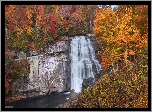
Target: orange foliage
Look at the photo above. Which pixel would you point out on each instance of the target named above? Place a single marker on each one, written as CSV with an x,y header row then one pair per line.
x,y
122,30
131,52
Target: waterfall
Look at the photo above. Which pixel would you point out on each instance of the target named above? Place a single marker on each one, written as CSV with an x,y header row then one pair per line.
x,y
82,59
50,70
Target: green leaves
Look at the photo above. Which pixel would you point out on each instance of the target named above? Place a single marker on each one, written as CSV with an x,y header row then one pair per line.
x,y
50,39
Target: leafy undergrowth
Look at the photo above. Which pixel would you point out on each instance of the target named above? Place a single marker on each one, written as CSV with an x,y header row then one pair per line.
x,y
127,88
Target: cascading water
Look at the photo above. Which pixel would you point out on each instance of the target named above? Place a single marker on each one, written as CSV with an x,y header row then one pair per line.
x,y
82,59
50,71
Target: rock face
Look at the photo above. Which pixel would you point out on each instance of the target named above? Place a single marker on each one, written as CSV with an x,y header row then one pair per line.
x,y
54,67
50,69
87,83
53,73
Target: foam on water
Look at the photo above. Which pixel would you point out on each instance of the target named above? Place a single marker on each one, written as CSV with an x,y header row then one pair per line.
x,y
82,58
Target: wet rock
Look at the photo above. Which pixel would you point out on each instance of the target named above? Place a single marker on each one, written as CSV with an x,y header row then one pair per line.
x,y
55,67
50,69
87,83
73,95
21,55
63,105
71,98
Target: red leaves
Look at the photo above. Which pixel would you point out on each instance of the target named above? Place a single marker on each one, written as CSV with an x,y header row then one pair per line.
x,y
53,24
73,9
10,72
7,84
33,22
40,11
9,10
39,8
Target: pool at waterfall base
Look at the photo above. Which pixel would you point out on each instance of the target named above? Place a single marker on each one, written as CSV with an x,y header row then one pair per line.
x,y
46,101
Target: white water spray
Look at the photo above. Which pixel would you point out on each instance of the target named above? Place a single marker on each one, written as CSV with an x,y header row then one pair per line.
x,y
82,58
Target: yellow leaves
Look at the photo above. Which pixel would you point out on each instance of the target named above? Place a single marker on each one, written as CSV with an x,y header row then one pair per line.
x,y
97,30
19,31
99,17
125,54
67,29
12,6
29,15
130,10
29,30
104,22
55,7
120,30
38,27
61,17
144,40
135,77
30,21
142,101
38,19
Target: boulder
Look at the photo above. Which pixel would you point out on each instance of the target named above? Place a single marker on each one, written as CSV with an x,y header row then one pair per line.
x,y
87,83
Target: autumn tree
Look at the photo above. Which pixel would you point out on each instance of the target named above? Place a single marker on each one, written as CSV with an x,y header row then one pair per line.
x,y
105,30
123,33
32,27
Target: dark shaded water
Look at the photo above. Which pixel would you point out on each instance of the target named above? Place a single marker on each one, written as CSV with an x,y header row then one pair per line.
x,y
47,101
